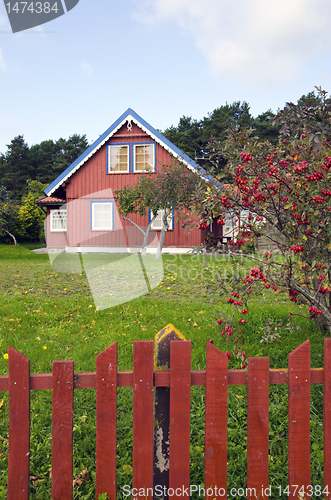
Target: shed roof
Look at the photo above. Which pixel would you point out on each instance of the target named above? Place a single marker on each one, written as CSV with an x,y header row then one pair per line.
x,y
128,116
50,200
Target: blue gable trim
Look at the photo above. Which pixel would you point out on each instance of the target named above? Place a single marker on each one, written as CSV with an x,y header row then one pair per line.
x,y
108,132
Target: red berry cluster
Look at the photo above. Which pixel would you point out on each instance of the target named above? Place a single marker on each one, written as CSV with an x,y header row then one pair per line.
x,y
227,330
293,295
317,176
318,199
246,157
314,312
297,248
257,273
302,166
203,225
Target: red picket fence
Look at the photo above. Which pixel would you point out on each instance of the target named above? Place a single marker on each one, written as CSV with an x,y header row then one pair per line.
x,y
216,378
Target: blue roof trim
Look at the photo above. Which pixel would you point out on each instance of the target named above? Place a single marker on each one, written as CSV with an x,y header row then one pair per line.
x,y
102,137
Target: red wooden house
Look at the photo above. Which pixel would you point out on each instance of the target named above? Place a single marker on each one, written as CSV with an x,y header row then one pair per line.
x,y
81,211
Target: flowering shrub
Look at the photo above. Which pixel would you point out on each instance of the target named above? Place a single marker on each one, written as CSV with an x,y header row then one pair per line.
x,y
284,193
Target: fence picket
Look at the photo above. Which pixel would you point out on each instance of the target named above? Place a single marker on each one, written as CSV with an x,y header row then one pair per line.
x,y
106,418
62,414
19,426
216,423
327,417
299,419
258,428
180,402
143,418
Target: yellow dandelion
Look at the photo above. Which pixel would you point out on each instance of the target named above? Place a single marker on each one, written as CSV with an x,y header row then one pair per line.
x,y
5,355
44,347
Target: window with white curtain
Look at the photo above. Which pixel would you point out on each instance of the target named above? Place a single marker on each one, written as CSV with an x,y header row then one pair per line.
x,y
59,219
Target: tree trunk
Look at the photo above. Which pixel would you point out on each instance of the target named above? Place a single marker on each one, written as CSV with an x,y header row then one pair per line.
x,y
143,250
145,233
11,235
164,229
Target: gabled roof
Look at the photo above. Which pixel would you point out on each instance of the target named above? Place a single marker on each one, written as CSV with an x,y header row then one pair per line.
x,y
128,116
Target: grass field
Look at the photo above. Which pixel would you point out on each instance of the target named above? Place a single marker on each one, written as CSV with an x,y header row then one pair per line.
x,y
48,312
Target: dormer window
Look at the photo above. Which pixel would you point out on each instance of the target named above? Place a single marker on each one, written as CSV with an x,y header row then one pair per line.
x,y
143,158
118,158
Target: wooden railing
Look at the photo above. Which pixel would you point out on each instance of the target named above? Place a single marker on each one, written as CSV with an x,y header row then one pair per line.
x,y
216,378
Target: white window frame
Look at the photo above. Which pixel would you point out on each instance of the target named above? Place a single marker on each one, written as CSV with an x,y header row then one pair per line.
x,y
55,219
135,146
231,227
108,227
157,223
113,146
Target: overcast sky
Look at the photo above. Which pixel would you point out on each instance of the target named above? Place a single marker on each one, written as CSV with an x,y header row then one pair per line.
x,y
163,58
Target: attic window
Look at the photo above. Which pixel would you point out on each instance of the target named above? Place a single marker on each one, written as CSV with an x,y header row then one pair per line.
x,y
118,158
144,158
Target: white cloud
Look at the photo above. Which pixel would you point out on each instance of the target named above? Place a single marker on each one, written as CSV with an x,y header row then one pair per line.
x,y
256,40
3,65
87,68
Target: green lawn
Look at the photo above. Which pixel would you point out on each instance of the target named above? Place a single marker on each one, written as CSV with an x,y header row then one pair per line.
x,y
48,312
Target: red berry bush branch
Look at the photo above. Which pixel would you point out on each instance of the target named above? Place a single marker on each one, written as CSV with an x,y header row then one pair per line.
x,y
282,194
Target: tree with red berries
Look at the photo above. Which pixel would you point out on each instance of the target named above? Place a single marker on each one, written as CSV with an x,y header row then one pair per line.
x,y
282,193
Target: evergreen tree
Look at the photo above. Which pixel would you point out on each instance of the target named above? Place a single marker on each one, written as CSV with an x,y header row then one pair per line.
x,y
68,151
16,167
264,129
221,119
43,158
187,136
